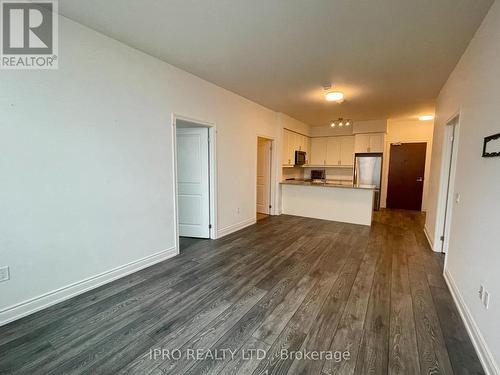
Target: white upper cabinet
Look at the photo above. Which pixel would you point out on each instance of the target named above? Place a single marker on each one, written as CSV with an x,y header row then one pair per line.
x,y
369,143
293,145
377,142
333,151
285,156
306,146
347,151
293,142
328,151
361,143
318,151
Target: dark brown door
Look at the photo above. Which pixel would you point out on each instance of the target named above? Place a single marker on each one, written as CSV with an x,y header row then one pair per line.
x,y
406,176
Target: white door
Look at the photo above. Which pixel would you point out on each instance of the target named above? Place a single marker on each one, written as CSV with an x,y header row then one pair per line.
x,y
263,175
193,182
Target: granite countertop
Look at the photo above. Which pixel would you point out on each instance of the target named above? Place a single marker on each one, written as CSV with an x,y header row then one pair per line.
x,y
329,183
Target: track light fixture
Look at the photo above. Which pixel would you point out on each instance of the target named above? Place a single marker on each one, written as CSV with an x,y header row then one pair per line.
x,y
340,122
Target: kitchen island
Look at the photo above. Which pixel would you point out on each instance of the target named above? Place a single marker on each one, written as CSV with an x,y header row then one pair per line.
x,y
345,202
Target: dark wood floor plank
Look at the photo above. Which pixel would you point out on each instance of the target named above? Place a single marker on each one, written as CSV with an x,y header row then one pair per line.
x,y
322,331
247,359
206,338
350,328
285,283
373,352
275,363
433,355
403,351
280,316
462,354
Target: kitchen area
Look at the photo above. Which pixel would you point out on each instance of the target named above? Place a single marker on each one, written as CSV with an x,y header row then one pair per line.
x,y
332,177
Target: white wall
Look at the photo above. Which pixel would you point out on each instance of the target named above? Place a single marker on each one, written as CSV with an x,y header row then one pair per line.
x,y
474,252
86,165
328,131
372,126
407,131
290,123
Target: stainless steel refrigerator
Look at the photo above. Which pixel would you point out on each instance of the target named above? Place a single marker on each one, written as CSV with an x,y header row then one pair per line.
x,y
368,172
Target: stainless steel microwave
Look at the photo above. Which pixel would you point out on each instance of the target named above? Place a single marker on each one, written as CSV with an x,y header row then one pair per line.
x,y
300,157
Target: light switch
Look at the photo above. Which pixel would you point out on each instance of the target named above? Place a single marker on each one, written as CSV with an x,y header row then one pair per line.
x,y
457,198
486,299
4,273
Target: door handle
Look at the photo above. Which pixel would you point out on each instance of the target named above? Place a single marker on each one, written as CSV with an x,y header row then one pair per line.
x,y
420,179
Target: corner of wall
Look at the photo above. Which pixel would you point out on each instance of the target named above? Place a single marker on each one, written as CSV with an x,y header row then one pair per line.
x,y
22,309
429,239
235,227
482,350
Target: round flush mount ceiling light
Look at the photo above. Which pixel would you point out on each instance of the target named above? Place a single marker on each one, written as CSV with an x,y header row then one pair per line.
x,y
340,123
335,96
426,118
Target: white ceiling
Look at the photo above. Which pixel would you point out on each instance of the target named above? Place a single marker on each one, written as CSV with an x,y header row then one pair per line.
x,y
390,57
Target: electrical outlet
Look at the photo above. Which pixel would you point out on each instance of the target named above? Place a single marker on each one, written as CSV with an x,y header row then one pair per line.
x,y
4,273
486,299
481,292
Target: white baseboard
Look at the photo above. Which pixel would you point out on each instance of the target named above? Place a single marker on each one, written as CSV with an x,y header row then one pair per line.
x,y
431,243
489,365
43,301
235,227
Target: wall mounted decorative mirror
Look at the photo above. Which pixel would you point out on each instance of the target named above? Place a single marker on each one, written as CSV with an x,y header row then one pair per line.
x,y
491,146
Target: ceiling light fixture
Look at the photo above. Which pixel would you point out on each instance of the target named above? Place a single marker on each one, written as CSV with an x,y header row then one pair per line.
x,y
340,122
335,96
426,118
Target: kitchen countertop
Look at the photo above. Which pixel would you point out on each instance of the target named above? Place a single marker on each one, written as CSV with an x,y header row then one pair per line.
x,y
334,184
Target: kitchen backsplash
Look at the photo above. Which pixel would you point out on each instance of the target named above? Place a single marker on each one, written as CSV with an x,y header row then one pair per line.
x,y
344,174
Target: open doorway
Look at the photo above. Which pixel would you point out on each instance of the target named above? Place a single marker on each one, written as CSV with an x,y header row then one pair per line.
x,y
448,178
194,158
264,172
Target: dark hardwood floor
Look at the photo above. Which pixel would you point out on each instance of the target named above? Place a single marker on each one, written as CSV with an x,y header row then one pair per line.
x,y
373,295
185,242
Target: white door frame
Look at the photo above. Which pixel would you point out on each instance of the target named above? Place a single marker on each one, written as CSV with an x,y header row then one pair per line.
x,y
447,185
212,131
274,173
268,172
